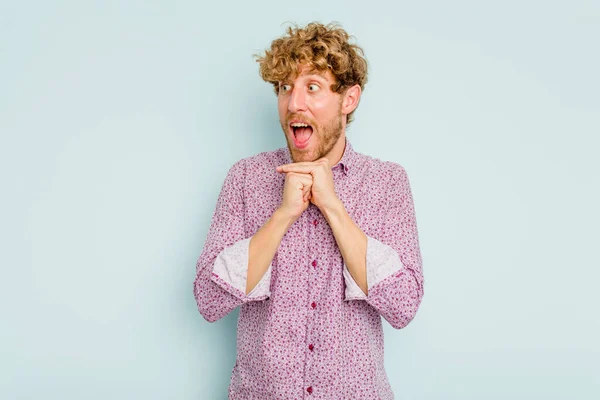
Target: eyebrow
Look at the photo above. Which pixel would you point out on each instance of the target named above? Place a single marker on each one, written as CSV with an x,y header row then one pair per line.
x,y
311,76
318,76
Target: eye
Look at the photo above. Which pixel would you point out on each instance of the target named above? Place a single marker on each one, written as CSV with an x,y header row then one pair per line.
x,y
313,87
285,88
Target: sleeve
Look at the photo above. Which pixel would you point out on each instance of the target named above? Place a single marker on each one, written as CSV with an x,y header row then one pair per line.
x,y
221,269
393,260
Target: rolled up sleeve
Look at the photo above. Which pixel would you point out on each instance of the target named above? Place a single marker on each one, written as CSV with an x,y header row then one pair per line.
x,y
393,260
222,267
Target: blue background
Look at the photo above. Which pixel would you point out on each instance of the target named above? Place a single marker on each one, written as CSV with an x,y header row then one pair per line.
x,y
119,121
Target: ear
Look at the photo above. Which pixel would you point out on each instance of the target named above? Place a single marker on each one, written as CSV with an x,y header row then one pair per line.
x,y
350,99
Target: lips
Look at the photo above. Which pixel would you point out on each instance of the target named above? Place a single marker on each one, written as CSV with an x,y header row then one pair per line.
x,y
302,132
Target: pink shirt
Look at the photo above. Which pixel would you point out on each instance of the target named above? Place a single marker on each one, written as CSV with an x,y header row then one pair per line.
x,y
307,330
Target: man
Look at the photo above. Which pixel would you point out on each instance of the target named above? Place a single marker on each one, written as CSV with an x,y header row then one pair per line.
x,y
316,242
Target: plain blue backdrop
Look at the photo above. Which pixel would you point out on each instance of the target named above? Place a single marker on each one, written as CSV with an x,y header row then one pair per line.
x,y
119,121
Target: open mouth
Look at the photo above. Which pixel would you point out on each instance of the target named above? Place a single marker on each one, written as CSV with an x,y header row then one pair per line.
x,y
302,133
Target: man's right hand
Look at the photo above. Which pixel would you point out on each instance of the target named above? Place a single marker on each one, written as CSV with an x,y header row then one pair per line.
x,y
296,194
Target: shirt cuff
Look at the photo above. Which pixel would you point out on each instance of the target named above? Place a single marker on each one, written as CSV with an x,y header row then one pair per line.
x,y
230,271
382,262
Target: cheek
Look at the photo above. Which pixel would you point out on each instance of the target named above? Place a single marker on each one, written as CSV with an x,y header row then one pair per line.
x,y
323,110
282,107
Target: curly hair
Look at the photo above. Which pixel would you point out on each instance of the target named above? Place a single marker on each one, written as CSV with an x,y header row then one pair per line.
x,y
320,47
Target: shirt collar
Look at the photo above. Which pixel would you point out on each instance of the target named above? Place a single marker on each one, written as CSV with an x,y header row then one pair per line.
x,y
346,163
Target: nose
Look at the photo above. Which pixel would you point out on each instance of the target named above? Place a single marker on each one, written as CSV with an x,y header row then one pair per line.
x,y
297,100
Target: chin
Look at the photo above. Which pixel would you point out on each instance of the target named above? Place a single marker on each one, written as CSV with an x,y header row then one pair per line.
x,y
302,156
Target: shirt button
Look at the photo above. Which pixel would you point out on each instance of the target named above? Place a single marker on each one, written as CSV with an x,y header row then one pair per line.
x,y
313,304
314,263
346,169
309,389
315,222
311,347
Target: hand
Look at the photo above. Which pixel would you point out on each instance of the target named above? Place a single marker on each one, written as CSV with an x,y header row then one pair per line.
x,y
296,194
323,190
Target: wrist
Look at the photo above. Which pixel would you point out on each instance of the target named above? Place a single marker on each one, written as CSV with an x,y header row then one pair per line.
x,y
333,209
282,216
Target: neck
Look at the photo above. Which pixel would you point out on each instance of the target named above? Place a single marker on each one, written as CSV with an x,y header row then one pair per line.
x,y
336,153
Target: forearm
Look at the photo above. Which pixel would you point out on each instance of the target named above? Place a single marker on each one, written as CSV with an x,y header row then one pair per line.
x,y
264,245
351,241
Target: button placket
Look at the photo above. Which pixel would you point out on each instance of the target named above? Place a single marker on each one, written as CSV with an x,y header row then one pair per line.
x,y
313,305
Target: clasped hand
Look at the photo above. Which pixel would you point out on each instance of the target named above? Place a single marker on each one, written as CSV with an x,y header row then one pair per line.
x,y
305,183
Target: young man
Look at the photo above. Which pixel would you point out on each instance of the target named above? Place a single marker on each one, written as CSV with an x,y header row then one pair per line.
x,y
315,241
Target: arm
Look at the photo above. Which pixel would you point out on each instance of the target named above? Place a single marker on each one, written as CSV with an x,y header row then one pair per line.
x,y
231,269
263,246
388,267
352,243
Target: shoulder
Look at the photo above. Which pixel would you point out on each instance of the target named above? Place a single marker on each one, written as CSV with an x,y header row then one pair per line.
x,y
258,164
383,171
265,160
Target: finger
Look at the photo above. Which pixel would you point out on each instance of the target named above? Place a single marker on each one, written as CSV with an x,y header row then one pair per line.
x,y
306,179
308,195
299,174
304,169
302,163
302,166
323,160
306,190
307,163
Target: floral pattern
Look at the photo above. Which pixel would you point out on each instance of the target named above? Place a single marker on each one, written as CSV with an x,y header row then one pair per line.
x,y
307,330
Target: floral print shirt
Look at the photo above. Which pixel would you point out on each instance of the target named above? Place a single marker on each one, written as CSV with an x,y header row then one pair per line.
x,y
307,330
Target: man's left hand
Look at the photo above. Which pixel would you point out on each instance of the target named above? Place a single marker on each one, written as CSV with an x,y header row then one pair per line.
x,y
323,193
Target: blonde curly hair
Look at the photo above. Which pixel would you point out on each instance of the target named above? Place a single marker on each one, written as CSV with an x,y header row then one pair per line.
x,y
320,47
